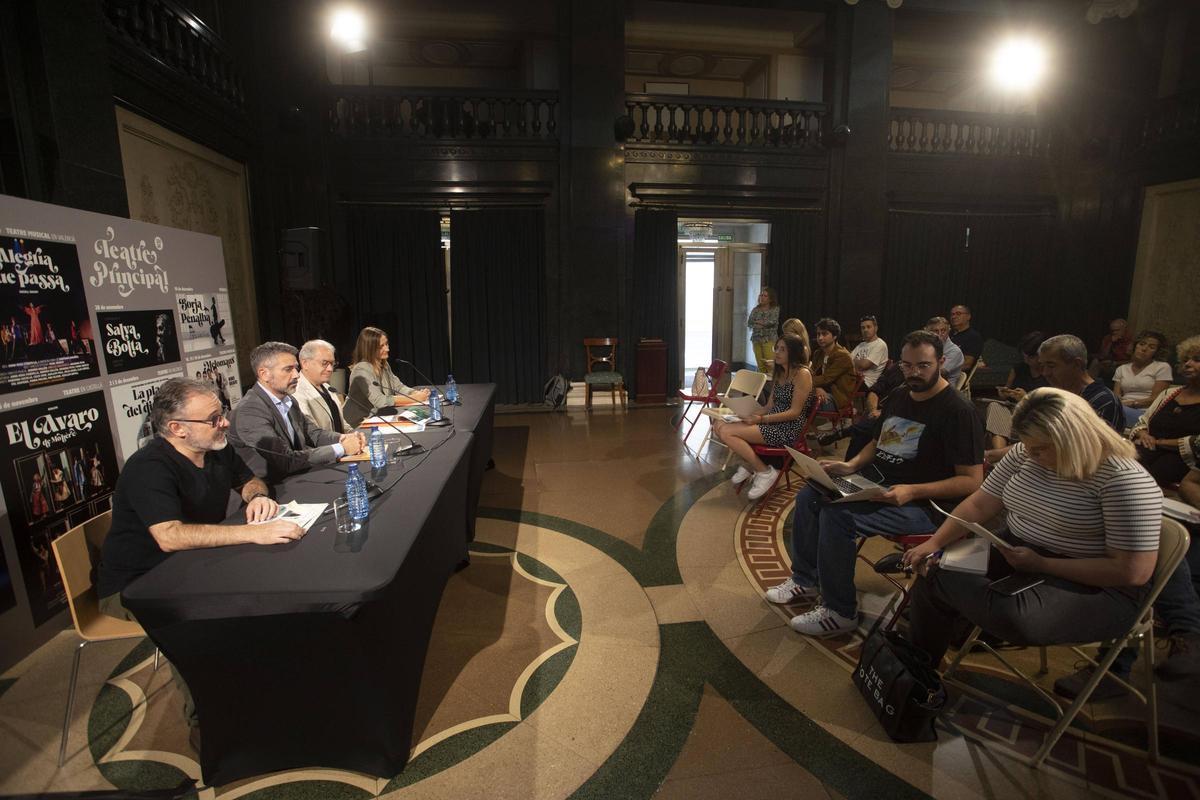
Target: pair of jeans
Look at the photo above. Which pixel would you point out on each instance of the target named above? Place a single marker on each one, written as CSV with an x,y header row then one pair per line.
x,y
1178,606
823,542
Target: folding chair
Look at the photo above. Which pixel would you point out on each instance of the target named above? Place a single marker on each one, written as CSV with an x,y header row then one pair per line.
x,y
899,601
73,552
840,416
716,371
1172,546
745,382
766,451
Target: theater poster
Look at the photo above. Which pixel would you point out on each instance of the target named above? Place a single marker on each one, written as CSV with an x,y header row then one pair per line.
x,y
131,399
45,330
205,320
137,339
219,369
60,465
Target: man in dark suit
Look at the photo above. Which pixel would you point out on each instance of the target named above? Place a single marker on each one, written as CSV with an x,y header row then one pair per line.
x,y
268,429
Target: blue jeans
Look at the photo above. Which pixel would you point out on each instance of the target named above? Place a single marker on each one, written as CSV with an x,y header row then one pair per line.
x,y
1178,606
1132,415
823,542
827,404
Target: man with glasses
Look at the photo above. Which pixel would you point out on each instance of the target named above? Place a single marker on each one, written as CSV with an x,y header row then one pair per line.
x,y
318,401
270,432
969,340
928,445
172,495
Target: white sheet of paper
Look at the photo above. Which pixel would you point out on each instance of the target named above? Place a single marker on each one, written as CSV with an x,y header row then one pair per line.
x,y
974,527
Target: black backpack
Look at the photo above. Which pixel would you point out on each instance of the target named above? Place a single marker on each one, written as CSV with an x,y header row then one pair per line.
x,y
555,391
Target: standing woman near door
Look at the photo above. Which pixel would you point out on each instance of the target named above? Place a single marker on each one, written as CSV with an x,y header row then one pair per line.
x,y
763,323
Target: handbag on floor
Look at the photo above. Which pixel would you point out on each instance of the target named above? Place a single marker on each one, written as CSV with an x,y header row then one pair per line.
x,y
900,686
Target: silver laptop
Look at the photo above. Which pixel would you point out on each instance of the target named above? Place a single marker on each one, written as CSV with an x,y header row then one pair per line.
x,y
850,488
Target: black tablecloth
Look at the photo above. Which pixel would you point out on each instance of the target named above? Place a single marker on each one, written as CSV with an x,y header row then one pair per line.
x,y
476,415
310,654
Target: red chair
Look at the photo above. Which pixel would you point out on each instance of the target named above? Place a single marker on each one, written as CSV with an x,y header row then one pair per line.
x,y
845,414
716,371
765,451
904,542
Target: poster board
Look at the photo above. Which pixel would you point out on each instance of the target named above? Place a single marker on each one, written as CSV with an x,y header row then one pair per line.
x,y
96,312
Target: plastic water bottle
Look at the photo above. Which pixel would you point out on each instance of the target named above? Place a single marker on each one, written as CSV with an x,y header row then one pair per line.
x,y
377,449
451,390
356,494
435,405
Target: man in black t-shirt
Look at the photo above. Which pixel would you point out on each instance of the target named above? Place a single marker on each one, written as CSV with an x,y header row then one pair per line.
x,y
928,444
173,492
969,340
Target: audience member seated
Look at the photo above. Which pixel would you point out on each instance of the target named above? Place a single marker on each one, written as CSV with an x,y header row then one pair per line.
x,y
871,354
1139,383
833,370
1082,513
954,357
373,385
270,433
1164,435
317,399
791,396
928,445
1027,375
793,325
172,495
1115,349
763,323
1063,359
875,398
969,340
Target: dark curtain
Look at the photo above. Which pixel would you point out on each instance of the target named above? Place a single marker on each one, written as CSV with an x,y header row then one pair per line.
x,y
399,283
794,265
998,264
654,302
498,299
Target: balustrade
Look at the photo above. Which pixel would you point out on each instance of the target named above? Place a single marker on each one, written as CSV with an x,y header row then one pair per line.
x,y
671,119
443,114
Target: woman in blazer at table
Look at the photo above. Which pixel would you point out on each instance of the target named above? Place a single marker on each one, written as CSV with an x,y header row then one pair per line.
x,y
372,383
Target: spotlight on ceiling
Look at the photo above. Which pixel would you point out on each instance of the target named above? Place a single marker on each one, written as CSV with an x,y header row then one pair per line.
x,y
1018,64
348,28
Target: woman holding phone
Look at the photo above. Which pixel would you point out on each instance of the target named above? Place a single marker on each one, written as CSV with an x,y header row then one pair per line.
x,y
373,385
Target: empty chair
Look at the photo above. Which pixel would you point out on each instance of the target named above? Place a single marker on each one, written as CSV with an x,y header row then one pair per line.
x,y
602,352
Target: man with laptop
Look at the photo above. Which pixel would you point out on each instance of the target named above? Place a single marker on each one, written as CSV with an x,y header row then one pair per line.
x,y
927,445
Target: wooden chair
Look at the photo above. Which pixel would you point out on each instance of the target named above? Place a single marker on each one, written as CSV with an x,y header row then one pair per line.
x,y
74,553
605,354
1172,546
715,371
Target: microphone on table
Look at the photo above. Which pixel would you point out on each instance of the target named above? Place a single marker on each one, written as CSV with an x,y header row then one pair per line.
x,y
410,449
425,378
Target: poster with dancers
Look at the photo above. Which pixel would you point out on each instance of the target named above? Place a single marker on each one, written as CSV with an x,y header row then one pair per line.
x,y
8,596
204,320
131,406
45,330
221,371
136,339
62,461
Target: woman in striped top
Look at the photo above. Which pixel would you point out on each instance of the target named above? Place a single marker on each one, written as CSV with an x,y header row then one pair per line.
x,y
1082,513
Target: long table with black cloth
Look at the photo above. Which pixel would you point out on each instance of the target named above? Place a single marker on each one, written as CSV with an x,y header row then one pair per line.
x,y
310,654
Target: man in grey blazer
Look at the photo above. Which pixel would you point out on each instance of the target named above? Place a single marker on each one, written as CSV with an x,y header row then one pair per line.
x,y
267,428
318,401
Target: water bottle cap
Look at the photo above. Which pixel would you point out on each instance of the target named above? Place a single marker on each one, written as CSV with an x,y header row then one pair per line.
x,y
353,468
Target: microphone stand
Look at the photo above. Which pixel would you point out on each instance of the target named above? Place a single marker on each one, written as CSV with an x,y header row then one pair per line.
x,y
425,378
412,448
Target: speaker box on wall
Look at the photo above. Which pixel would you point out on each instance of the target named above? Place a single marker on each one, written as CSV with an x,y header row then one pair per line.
x,y
300,258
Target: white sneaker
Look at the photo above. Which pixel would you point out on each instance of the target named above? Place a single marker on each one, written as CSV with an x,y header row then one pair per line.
x,y
789,592
740,476
761,482
822,622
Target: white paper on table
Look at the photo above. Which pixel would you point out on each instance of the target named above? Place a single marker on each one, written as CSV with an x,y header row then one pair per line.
x,y
303,514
